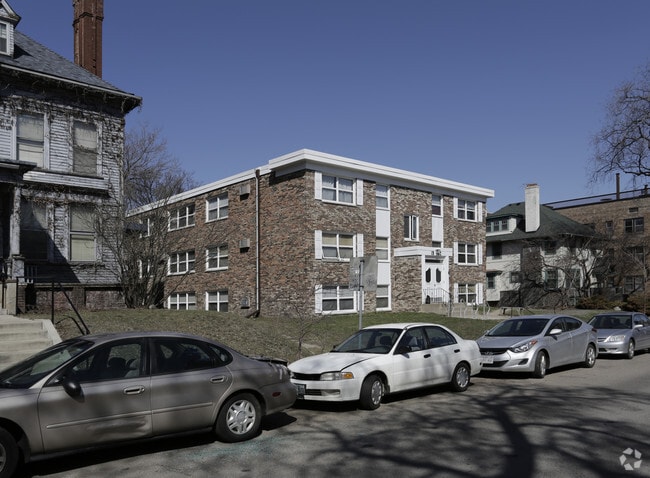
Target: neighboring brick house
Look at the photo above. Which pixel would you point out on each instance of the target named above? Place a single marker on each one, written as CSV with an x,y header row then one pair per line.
x,y
280,239
61,146
621,217
537,256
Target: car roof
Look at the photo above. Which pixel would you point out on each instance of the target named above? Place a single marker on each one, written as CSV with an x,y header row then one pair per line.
x,y
619,312
110,336
539,316
399,325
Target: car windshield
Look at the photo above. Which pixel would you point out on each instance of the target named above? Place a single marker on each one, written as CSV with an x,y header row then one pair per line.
x,y
611,321
518,328
370,341
26,373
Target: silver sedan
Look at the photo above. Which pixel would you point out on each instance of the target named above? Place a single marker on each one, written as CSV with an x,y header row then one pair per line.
x,y
101,389
622,333
536,343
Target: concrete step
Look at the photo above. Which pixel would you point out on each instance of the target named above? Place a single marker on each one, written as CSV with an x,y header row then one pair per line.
x,y
22,338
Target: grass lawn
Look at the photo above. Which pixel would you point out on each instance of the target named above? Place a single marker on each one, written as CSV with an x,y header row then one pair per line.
x,y
272,336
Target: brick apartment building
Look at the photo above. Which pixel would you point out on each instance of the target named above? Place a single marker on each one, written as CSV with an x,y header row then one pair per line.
x,y
280,239
621,218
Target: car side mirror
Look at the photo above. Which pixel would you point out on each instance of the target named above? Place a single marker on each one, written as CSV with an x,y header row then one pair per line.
x,y
637,326
403,349
555,331
72,387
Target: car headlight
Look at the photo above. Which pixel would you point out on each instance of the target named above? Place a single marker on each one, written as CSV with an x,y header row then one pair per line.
x,y
525,347
336,375
615,338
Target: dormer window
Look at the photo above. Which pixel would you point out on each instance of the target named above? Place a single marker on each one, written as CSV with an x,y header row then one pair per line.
x,y
4,38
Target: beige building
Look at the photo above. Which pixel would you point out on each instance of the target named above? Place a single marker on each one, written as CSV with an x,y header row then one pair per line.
x,y
284,238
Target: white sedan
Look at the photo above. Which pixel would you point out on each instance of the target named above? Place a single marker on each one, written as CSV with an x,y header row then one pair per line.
x,y
384,359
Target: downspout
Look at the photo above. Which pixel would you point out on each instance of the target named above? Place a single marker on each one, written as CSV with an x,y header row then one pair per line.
x,y
257,240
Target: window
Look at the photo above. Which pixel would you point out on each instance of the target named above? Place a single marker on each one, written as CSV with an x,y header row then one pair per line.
x,y
181,217
550,247
438,337
338,189
217,208
491,278
495,249
82,233
436,205
572,279
182,301
467,254
118,361
216,258
383,297
466,210
181,262
467,293
411,228
381,250
30,139
634,225
609,228
382,196
515,277
550,279
33,230
497,225
637,254
4,38
633,284
338,246
217,300
84,149
337,298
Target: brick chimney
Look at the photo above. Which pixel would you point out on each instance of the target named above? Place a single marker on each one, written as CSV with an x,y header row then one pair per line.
x,y
87,24
532,210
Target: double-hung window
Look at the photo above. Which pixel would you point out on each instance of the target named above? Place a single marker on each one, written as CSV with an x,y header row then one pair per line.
x,y
4,38
216,258
217,207
181,262
82,233
181,217
551,278
337,189
436,205
338,246
381,196
466,210
634,225
411,228
383,296
33,230
84,148
337,299
467,293
30,138
217,300
467,254
182,301
381,249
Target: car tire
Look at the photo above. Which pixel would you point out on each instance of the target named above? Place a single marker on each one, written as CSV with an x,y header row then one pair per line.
x,y
372,391
590,356
8,454
630,350
460,378
239,419
541,365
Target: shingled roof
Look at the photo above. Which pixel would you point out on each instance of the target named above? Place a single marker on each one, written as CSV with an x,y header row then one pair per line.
x,y
552,224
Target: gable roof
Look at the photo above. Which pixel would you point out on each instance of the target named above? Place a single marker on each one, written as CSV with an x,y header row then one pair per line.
x,y
31,57
551,224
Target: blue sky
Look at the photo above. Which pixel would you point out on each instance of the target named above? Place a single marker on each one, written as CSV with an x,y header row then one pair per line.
x,y
493,93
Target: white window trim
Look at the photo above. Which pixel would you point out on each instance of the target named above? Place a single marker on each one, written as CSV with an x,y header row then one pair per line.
x,y
218,198
357,246
219,298
357,189
46,136
186,300
185,261
318,295
178,216
417,232
207,258
479,255
478,213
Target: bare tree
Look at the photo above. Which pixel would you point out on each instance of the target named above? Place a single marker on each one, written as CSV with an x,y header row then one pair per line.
x,y
140,247
623,143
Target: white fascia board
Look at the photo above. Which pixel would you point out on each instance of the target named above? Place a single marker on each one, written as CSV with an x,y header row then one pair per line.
x,y
325,162
421,251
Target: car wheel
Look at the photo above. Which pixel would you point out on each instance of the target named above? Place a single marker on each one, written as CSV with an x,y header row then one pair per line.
x,y
541,365
372,391
239,419
460,378
630,350
8,454
590,356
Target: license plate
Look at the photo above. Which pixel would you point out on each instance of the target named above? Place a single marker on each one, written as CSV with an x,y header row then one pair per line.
x,y
487,359
300,388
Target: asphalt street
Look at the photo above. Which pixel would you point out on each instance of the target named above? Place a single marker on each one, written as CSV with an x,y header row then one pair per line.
x,y
575,422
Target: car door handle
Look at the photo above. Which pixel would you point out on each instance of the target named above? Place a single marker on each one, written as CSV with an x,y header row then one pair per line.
x,y
218,379
427,356
456,351
134,390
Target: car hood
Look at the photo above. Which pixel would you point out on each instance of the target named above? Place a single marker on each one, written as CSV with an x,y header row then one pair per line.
x,y
487,342
329,362
607,332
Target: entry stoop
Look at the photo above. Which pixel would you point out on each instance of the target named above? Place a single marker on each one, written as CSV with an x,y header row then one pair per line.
x,y
21,338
